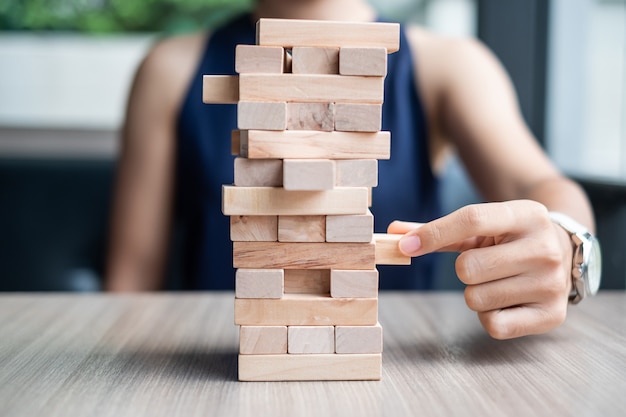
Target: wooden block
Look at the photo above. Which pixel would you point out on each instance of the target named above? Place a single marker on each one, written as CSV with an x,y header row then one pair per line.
x,y
354,283
311,60
302,228
259,283
308,174
359,339
315,255
350,228
259,59
322,88
220,89
306,310
363,61
258,172
269,201
235,142
310,339
295,32
307,281
356,367
310,116
356,173
387,252
261,115
310,144
253,228
262,340
355,117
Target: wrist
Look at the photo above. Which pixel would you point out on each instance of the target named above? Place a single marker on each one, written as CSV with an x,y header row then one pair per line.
x,y
567,250
586,266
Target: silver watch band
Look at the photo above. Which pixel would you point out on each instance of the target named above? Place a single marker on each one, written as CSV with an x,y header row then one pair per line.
x,y
566,222
570,226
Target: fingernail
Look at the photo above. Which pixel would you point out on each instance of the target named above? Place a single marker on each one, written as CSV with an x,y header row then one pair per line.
x,y
410,245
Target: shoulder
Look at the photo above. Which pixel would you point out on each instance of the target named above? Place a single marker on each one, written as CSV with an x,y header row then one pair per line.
x,y
448,61
172,52
170,64
452,73
432,42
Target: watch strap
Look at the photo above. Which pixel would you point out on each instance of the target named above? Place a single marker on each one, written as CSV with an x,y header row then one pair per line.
x,y
572,227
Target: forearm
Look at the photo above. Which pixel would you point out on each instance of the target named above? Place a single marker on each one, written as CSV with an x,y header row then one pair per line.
x,y
125,277
563,195
137,247
141,216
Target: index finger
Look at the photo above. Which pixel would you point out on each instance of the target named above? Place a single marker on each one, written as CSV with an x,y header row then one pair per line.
x,y
401,227
470,222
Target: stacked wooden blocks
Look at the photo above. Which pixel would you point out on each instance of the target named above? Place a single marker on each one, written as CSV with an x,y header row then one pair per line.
x,y
309,105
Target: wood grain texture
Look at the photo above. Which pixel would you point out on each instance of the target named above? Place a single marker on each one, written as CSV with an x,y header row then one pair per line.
x,y
310,367
356,117
307,281
387,252
321,88
311,116
254,228
268,201
306,310
363,61
300,144
262,340
357,173
359,339
289,33
259,59
313,60
353,283
261,115
304,255
175,354
259,283
258,172
308,174
220,89
301,228
310,339
235,142
350,228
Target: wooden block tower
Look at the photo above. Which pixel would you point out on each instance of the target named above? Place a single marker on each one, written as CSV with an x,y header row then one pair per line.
x,y
309,100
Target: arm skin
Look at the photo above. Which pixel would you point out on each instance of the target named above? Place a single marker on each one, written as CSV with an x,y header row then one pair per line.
x,y
142,207
515,261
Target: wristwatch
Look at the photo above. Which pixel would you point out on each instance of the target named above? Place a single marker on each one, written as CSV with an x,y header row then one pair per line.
x,y
587,259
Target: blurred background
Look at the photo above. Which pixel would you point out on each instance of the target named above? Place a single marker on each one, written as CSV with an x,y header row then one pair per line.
x,y
66,67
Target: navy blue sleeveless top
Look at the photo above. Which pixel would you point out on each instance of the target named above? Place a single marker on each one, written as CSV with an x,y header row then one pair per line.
x,y
407,188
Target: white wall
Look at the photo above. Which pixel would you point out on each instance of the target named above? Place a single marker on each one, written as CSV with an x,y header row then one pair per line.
x,y
586,108
66,81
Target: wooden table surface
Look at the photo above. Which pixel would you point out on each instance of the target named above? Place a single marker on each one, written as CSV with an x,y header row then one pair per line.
x,y
175,355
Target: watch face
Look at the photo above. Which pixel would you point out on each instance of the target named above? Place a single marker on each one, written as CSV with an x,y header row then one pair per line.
x,y
594,267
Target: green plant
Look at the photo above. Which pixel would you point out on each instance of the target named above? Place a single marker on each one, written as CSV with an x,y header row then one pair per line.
x,y
109,16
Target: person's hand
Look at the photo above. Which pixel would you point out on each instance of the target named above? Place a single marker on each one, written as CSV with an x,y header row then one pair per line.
x,y
515,261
